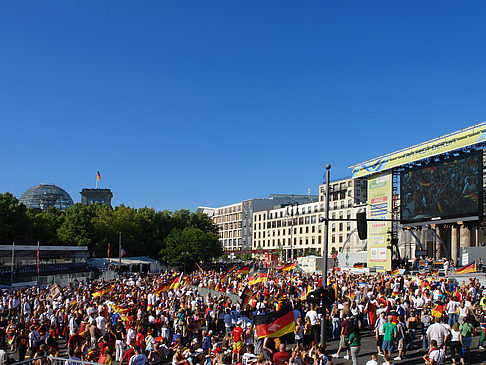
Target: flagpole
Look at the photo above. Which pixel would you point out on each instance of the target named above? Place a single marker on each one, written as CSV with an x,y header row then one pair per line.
x,y
12,264
119,253
38,260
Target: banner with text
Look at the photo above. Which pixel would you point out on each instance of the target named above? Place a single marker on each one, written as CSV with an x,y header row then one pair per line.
x,y
437,146
379,207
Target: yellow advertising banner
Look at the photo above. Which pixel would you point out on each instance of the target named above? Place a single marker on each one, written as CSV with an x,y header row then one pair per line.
x,y
450,142
379,207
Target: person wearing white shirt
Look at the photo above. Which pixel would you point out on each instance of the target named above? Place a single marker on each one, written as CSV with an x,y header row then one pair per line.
x,y
373,360
101,324
452,309
72,324
437,332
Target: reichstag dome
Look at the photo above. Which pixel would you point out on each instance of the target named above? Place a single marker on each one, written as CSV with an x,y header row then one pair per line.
x,y
44,196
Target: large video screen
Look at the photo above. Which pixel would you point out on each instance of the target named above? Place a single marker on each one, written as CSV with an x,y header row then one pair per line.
x,y
448,189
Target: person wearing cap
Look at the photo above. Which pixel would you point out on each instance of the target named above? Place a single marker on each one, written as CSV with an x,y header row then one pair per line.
x,y
237,337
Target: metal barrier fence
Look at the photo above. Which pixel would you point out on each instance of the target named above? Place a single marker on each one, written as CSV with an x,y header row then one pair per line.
x,y
60,361
51,360
27,362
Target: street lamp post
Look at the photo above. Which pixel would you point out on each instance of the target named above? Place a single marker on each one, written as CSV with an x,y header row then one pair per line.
x,y
324,253
296,205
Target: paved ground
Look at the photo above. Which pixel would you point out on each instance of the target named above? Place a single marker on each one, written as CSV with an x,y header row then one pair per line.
x,y
368,347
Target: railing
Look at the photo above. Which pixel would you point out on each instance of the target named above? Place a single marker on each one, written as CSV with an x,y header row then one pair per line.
x,y
60,361
55,361
27,362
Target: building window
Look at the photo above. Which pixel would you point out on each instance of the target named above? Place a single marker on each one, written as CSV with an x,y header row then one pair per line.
x,y
333,227
313,219
348,226
340,238
307,220
341,226
333,239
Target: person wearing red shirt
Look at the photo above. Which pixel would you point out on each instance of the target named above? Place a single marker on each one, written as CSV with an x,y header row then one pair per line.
x,y
237,337
282,356
140,338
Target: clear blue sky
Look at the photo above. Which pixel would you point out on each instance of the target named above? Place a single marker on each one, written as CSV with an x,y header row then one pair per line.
x,y
187,103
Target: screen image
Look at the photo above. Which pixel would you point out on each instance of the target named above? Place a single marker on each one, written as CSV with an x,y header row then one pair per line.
x,y
444,190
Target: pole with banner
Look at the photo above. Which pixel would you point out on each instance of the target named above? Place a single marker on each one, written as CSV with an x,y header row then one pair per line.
x,y
12,264
324,254
119,253
38,261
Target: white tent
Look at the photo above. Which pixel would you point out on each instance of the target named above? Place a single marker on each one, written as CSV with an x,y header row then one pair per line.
x,y
133,263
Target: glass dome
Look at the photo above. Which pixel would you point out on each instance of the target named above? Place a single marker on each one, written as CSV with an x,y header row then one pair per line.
x,y
44,196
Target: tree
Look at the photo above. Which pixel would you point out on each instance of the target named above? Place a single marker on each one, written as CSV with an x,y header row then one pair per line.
x,y
45,225
15,225
77,229
190,245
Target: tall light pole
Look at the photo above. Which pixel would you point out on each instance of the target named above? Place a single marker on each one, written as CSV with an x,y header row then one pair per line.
x,y
296,205
324,253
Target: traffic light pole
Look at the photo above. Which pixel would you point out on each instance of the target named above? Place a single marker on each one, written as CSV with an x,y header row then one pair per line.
x,y
324,255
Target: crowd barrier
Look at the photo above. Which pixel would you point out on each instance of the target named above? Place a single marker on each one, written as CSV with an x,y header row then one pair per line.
x,y
51,360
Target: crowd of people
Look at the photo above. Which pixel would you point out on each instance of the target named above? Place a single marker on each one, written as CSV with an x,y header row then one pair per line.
x,y
199,319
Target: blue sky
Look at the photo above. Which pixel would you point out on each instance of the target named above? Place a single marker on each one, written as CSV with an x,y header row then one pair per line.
x,y
187,103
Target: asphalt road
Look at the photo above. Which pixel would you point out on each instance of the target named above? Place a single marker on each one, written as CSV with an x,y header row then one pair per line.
x,y
368,347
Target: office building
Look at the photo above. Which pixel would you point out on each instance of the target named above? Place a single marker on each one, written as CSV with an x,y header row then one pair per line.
x,y
298,229
235,220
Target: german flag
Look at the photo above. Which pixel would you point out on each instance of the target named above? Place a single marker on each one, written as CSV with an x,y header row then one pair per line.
x,y
263,276
275,324
253,278
174,283
467,270
102,292
395,272
246,297
119,309
233,268
243,270
289,267
437,311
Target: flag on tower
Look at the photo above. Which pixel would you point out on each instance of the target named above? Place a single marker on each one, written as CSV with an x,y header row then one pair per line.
x,y
98,176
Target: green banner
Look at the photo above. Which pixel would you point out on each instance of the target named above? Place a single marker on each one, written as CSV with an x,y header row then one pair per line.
x,y
379,207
